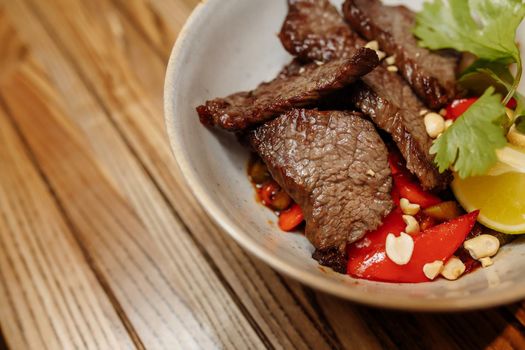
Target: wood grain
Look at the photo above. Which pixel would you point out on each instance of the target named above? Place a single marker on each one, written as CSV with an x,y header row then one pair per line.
x,y
81,110
47,289
138,269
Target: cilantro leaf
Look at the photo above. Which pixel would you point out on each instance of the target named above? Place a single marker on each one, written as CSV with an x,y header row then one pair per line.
x,y
470,144
487,29
490,36
482,74
502,71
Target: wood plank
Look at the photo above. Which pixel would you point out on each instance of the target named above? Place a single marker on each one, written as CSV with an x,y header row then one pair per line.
x,y
11,49
518,310
288,324
169,16
172,301
49,297
147,19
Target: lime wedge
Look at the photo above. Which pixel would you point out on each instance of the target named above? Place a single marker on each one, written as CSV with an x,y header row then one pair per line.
x,y
500,198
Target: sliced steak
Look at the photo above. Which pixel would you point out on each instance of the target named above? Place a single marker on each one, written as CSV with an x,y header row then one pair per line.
x,y
295,67
334,165
405,128
431,75
313,24
244,109
315,31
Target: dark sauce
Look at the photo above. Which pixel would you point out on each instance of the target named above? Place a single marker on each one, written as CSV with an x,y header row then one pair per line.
x,y
268,192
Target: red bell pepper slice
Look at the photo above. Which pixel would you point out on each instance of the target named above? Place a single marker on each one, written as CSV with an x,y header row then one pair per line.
x,y
458,107
411,190
512,104
375,240
396,196
368,260
267,191
290,218
406,186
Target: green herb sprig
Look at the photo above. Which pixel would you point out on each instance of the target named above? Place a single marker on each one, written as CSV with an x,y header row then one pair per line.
x,y
487,29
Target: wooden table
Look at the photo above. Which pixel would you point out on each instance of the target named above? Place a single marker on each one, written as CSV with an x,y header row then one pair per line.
x,y
101,244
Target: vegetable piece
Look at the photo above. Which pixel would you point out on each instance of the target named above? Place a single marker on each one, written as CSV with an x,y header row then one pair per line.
x,y
267,191
443,211
274,197
406,186
258,172
458,107
413,191
427,222
470,144
367,257
281,201
291,218
396,197
512,103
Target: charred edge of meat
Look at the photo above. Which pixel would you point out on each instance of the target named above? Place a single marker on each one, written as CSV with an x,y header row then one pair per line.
x,y
334,258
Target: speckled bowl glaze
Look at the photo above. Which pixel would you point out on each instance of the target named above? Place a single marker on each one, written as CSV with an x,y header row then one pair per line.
x,y
227,46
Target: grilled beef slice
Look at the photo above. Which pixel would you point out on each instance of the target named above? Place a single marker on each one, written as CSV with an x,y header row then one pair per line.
x,y
431,75
245,109
405,128
334,165
314,30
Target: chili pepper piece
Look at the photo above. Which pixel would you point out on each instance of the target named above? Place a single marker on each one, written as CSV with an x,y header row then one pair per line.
x,y
291,218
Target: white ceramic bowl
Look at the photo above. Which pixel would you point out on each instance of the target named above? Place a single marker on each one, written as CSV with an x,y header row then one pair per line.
x,y
227,46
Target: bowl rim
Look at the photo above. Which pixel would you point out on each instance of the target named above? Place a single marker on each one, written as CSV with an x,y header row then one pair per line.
x,y
333,287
